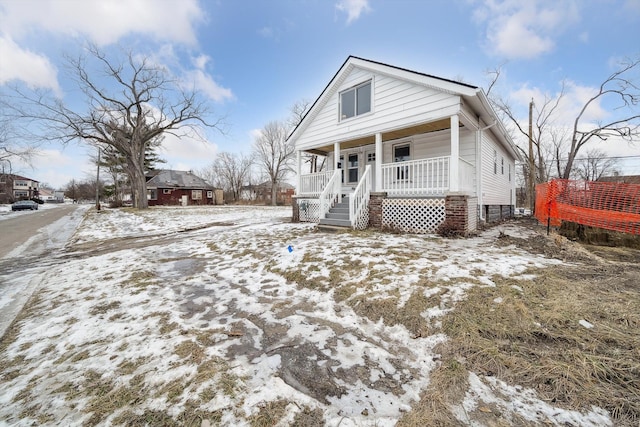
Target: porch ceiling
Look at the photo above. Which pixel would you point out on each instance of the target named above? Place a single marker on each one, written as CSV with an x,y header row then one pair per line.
x,y
386,136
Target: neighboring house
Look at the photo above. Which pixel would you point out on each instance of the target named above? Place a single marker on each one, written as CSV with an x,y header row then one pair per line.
x,y
261,193
16,187
171,187
407,149
47,195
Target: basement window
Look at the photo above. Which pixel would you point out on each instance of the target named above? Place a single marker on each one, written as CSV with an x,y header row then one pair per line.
x,y
355,101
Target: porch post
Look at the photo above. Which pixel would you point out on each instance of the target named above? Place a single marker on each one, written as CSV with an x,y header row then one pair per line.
x,y
377,186
299,170
336,160
454,177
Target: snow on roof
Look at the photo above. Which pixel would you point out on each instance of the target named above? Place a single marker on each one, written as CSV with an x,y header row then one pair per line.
x,y
167,178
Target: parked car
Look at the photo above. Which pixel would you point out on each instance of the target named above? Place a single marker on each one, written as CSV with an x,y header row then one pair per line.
x,y
24,205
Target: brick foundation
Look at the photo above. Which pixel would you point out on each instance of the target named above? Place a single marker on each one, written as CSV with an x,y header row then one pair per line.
x,y
456,207
375,209
295,216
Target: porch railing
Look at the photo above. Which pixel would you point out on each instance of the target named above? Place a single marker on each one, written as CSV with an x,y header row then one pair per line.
x,y
313,184
422,177
359,201
331,193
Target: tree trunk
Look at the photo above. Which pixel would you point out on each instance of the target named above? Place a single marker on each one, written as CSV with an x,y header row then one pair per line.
x,y
274,192
138,182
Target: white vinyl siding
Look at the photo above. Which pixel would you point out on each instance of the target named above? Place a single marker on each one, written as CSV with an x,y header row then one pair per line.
x,y
496,187
395,103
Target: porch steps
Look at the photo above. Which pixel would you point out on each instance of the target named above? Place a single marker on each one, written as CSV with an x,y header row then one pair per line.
x,y
338,216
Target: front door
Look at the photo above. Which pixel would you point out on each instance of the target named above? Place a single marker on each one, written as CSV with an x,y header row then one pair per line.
x,y
371,161
352,168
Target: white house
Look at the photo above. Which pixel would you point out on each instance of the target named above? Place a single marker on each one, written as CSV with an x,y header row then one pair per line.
x,y
405,150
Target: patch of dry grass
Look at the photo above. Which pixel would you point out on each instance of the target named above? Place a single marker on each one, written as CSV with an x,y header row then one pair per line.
x,y
140,280
389,308
533,338
269,414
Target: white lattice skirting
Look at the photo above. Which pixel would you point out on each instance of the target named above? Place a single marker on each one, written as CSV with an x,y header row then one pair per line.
x,y
363,221
309,210
413,215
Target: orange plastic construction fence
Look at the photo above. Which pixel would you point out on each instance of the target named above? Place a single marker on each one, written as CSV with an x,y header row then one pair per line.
x,y
609,205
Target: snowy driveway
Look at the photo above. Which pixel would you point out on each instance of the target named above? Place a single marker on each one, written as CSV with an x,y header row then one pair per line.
x,y
228,314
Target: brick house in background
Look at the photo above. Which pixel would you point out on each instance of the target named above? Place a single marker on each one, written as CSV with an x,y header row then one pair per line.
x,y
172,187
15,187
261,193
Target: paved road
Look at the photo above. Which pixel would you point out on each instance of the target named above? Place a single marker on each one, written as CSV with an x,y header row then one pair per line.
x,y
22,226
30,242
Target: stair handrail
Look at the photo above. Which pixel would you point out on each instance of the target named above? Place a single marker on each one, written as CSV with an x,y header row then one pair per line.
x,y
330,194
359,200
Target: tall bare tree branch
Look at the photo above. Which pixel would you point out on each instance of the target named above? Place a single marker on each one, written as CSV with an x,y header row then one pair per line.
x,y
138,103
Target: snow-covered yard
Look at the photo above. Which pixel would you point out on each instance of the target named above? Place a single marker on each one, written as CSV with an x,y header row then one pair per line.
x,y
236,316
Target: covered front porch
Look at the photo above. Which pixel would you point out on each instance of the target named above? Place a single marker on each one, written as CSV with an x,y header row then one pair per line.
x,y
417,162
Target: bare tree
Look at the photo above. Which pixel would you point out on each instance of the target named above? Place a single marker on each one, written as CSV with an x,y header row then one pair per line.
x,y
544,130
13,146
274,154
231,172
139,102
298,111
622,90
558,144
595,165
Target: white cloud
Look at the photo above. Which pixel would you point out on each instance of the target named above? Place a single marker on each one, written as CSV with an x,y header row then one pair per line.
x,y
20,64
524,30
204,82
632,7
189,152
353,8
104,21
573,100
200,62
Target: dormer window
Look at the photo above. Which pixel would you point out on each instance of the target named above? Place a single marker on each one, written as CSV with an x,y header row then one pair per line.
x,y
355,101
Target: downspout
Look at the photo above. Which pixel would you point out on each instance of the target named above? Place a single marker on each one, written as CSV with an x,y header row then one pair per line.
x,y
479,162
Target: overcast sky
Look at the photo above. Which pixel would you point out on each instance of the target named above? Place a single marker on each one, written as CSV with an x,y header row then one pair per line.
x,y
254,59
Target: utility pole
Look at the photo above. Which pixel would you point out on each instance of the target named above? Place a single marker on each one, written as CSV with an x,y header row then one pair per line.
x,y
98,182
532,172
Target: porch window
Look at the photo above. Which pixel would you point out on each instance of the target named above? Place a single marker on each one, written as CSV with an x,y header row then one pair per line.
x,y
402,153
340,163
353,168
355,101
196,194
